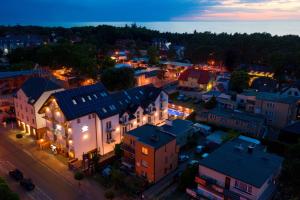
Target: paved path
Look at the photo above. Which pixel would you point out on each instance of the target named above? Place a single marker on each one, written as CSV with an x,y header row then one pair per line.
x,y
52,178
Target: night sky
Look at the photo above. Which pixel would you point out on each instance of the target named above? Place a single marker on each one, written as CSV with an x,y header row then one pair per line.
x,y
35,11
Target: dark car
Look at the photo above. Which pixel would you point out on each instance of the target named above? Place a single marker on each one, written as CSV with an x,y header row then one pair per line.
x,y
27,184
16,174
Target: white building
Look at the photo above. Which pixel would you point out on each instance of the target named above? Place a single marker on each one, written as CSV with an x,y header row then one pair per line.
x,y
88,119
27,101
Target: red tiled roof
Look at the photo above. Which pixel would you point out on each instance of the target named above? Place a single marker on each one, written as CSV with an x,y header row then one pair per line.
x,y
202,76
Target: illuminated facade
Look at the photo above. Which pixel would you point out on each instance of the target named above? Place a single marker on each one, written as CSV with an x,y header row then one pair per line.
x,y
88,119
28,99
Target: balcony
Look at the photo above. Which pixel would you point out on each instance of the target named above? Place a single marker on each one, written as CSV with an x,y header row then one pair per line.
x,y
124,123
111,140
126,147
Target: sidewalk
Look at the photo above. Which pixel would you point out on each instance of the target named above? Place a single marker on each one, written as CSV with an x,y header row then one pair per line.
x,y
58,164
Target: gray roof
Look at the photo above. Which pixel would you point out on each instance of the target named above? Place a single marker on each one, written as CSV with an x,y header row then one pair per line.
x,y
178,127
151,135
270,96
252,168
36,86
243,116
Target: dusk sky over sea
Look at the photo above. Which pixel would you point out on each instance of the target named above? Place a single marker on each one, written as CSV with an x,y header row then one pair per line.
x,y
277,17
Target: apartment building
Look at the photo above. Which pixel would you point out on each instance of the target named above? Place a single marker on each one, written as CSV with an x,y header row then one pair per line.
x,y
27,101
151,152
88,120
252,124
240,169
279,110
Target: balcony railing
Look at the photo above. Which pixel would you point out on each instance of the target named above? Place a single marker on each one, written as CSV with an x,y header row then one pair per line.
x,y
126,147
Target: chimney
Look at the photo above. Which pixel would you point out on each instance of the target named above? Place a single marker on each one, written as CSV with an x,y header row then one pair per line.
x,y
169,122
251,148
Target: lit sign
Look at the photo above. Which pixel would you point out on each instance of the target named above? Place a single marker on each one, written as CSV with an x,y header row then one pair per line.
x,y
84,128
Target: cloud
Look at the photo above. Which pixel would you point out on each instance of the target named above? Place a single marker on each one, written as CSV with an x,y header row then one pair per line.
x,y
248,10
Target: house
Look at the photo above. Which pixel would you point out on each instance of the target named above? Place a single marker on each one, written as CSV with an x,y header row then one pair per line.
x,y
175,68
264,84
89,120
239,169
290,133
151,152
27,101
291,90
196,79
279,110
222,83
147,76
179,128
253,124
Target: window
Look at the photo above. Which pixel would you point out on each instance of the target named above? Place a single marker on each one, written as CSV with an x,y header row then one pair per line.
x,y
83,99
74,101
243,186
149,119
95,96
78,120
93,115
144,163
90,116
144,151
33,121
138,117
160,115
104,110
108,125
89,97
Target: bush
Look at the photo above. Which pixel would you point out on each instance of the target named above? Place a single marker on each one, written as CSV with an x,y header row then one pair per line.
x,y
6,193
19,135
109,195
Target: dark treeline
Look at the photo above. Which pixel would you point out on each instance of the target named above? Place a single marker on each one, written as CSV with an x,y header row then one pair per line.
x,y
280,52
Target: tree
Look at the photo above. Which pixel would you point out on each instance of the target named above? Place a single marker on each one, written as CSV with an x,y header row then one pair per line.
x,y
118,151
239,81
187,178
5,191
106,63
211,103
109,195
78,176
153,55
118,79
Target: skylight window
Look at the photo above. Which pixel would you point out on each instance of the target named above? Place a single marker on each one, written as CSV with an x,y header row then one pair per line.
x,y
74,101
104,110
121,102
89,97
83,99
103,94
95,96
141,92
112,107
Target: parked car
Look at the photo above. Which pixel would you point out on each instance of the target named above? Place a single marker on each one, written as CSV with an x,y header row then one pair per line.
x,y
205,155
106,171
199,149
193,163
27,184
180,97
16,174
183,158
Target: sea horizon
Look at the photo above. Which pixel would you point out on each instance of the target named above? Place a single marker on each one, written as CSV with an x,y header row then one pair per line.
x,y
280,28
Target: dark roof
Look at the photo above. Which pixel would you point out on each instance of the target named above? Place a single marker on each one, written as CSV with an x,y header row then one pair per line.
x,y
264,84
293,128
36,86
233,159
129,100
202,76
178,127
11,74
85,100
151,135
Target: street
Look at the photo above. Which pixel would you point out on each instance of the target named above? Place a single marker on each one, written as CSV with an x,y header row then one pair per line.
x,y
49,184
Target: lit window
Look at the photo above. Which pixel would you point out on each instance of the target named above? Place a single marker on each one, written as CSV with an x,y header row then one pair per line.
x,y
144,151
89,97
84,128
74,101
83,99
95,96
104,110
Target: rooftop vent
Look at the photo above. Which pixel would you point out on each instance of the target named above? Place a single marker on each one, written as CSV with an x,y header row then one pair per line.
x,y
251,148
239,147
154,138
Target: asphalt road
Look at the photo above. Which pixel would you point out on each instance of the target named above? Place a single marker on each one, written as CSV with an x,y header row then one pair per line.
x,y
49,185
